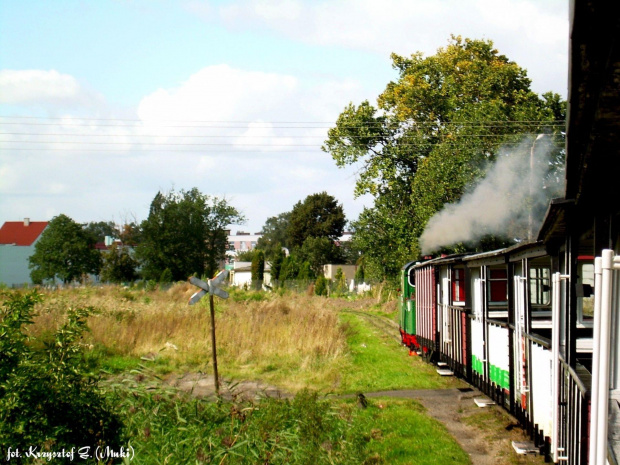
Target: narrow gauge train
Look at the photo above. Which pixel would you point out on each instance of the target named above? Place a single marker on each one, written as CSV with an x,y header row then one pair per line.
x,y
488,317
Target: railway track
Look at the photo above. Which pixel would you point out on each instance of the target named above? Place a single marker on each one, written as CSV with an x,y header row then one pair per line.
x,y
383,324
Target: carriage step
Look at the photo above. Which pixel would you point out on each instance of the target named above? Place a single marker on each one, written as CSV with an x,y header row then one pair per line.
x,y
444,372
483,402
442,364
525,447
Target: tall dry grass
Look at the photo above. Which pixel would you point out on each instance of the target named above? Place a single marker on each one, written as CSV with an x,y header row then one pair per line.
x,y
294,340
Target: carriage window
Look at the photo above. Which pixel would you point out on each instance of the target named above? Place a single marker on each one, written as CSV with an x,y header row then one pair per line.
x,y
540,286
585,291
498,286
458,285
411,277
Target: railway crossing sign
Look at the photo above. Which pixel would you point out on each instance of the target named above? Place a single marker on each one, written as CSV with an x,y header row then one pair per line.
x,y
211,287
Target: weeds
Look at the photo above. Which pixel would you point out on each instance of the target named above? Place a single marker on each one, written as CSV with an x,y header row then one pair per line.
x,y
170,428
255,331
48,399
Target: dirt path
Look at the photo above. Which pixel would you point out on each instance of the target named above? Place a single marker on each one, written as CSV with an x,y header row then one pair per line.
x,y
486,434
203,385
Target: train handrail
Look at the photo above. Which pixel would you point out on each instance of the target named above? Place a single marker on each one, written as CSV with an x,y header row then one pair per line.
x,y
460,308
541,341
575,376
499,323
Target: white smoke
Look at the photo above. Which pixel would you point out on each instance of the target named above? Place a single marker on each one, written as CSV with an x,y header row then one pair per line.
x,y
509,201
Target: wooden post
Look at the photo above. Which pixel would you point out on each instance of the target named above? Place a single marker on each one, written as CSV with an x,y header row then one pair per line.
x,y
217,381
212,288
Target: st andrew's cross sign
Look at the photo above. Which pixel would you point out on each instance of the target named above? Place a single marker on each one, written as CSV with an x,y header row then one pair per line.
x,y
212,288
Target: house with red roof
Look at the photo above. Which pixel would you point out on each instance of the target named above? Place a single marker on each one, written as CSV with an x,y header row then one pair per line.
x,y
17,241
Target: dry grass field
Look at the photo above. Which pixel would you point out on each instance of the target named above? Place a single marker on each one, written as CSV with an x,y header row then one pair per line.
x,y
292,340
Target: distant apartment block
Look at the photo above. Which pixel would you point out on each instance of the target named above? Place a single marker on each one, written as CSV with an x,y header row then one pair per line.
x,y
244,241
241,242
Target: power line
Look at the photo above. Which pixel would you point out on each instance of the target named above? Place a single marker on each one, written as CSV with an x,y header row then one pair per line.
x,y
260,122
226,148
223,124
236,136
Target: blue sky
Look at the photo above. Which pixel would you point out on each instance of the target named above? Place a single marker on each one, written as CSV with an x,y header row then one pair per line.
x,y
126,78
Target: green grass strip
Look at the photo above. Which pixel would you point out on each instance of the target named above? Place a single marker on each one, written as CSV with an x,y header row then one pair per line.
x,y
378,362
400,432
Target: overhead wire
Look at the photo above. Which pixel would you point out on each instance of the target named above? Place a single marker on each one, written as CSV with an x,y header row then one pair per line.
x,y
135,142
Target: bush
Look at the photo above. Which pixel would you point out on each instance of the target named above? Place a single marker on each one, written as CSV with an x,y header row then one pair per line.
x,y
48,400
166,276
340,282
320,286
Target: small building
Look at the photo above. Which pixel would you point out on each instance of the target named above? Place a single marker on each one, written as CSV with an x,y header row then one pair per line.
x,y
17,241
329,271
241,274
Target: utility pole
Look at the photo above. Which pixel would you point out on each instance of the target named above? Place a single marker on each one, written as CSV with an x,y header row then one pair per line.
x,y
530,219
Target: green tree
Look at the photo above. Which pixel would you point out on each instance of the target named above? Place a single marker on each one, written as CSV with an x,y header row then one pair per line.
x,y
320,285
290,269
130,233
340,282
360,272
258,269
246,255
276,264
65,252
306,273
118,265
319,215
319,251
100,229
275,235
185,232
432,134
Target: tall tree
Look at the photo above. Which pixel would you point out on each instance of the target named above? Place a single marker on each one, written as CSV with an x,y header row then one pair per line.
x,y
258,269
100,229
118,265
185,233
275,235
431,135
319,251
65,251
319,215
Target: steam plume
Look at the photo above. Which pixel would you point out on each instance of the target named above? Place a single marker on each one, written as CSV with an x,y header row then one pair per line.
x,y
509,201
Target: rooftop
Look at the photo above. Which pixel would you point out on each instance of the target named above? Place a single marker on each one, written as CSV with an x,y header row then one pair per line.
x,y
22,233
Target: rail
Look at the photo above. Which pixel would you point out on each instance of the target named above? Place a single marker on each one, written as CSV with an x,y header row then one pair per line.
x,y
574,405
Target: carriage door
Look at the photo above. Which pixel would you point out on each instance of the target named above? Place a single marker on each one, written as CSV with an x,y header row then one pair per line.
x,y
445,313
520,351
478,358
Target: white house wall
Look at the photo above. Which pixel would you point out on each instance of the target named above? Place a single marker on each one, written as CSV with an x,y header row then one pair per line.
x,y
14,269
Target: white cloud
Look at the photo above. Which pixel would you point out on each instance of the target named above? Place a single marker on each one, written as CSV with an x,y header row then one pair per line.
x,y
219,93
532,33
252,154
42,88
23,86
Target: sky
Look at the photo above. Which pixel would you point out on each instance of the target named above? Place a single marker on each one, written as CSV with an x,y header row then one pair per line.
x,y
103,103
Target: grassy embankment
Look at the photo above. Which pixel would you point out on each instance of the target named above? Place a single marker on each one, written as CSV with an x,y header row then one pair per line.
x,y
291,341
